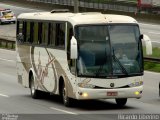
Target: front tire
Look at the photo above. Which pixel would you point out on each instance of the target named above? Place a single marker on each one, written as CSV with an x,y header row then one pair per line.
x,y
121,101
34,92
66,100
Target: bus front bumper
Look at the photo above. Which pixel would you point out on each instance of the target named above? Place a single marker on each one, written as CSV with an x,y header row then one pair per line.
x,y
86,93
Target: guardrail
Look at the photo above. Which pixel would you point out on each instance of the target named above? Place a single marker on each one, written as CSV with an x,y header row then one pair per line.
x,y
6,43
151,59
96,4
120,5
105,6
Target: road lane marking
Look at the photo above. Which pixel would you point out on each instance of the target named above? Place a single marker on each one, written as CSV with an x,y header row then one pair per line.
x,y
7,60
153,25
156,33
68,112
156,41
150,72
3,95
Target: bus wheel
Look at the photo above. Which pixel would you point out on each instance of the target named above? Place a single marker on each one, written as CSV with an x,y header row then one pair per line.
x,y
121,101
34,92
66,99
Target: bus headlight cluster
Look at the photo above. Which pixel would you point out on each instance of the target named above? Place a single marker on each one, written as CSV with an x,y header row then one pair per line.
x,y
86,85
136,84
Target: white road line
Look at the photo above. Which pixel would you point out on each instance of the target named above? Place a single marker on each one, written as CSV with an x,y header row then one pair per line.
x,y
156,41
3,95
68,112
154,33
10,51
7,60
153,25
152,72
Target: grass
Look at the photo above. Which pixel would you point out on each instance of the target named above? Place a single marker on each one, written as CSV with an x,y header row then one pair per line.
x,y
3,46
150,66
155,53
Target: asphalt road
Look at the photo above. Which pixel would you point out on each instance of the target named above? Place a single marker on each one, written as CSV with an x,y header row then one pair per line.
x,y
152,30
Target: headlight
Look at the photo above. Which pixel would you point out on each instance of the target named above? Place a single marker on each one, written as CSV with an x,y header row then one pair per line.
x,y
86,85
136,84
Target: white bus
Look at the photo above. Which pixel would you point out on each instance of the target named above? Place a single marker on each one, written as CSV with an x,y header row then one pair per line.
x,y
80,55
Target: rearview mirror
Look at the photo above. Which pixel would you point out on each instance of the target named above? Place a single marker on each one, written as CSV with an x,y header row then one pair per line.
x,y
148,44
74,49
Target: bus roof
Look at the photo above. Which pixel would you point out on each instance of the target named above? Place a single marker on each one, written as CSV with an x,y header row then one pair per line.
x,y
79,18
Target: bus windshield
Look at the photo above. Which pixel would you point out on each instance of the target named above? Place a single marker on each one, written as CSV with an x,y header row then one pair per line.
x,y
109,50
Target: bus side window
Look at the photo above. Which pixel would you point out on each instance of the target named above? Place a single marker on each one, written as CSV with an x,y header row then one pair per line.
x,y
45,27
35,34
28,39
20,31
52,34
60,35
31,32
40,33
24,31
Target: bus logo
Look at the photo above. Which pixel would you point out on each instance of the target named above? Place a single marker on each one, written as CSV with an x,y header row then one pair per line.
x,y
112,84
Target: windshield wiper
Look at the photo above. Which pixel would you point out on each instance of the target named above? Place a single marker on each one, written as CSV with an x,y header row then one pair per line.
x,y
119,63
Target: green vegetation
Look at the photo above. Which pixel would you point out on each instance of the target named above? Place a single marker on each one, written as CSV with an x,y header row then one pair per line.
x,y
156,52
150,66
7,46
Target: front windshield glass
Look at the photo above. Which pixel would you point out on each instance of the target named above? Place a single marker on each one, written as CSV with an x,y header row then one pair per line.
x,y
126,50
108,50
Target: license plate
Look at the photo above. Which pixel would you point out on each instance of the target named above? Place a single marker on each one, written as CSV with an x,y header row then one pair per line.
x,y
112,93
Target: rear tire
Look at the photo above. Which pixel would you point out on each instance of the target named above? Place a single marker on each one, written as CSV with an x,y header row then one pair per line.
x,y
121,102
34,93
66,100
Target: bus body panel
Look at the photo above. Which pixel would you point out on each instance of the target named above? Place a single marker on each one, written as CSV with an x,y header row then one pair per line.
x,y
102,93
23,64
48,65
122,86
